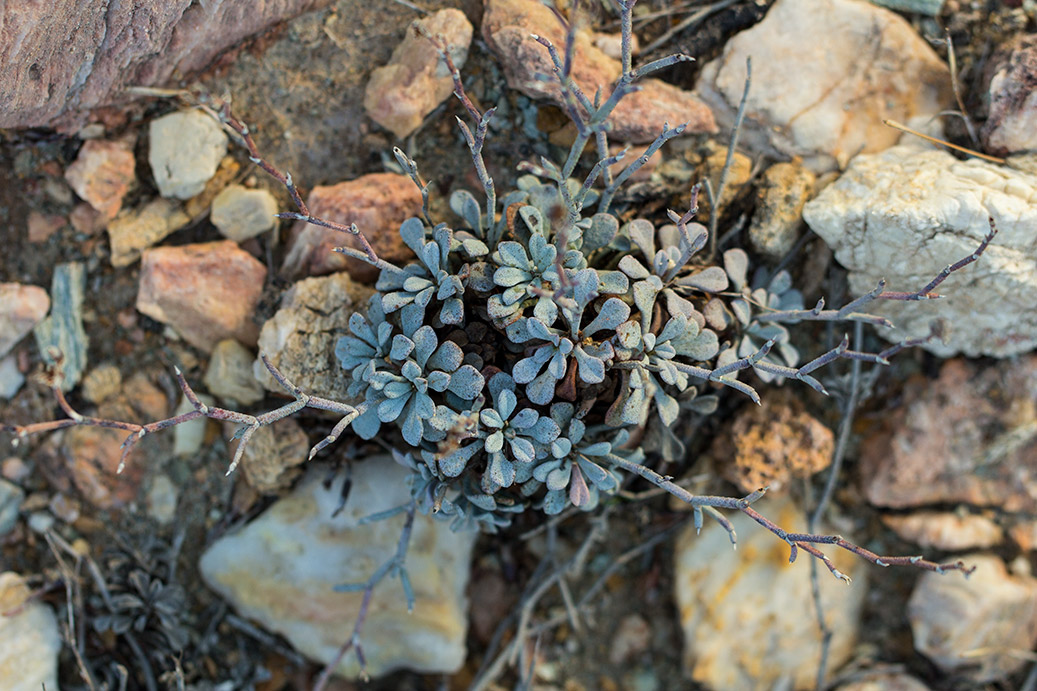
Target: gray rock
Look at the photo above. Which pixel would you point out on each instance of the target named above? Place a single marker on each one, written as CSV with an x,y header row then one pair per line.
x,y
11,497
754,591
29,639
780,197
910,211
185,149
162,498
972,626
11,379
21,308
63,329
188,436
230,375
281,570
240,213
1011,124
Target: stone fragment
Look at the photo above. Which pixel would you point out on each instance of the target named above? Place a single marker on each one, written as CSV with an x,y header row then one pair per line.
x,y
29,638
162,498
1024,534
639,117
970,437
207,292
101,383
378,203
883,681
300,338
271,458
131,233
1011,124
946,531
838,112
633,636
63,328
86,219
201,204
65,58
973,626
92,456
11,379
240,213
184,150
21,308
772,443
416,80
755,590
189,436
11,497
43,226
281,570
907,213
230,376
780,196
102,174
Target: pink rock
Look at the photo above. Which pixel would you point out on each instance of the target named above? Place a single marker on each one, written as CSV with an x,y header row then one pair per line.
x,y
60,59
416,79
102,174
507,25
21,308
1011,124
378,203
42,226
960,439
206,292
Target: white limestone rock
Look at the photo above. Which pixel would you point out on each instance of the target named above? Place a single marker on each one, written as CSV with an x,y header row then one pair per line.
x,y
855,65
280,570
910,211
184,152
240,213
29,639
747,613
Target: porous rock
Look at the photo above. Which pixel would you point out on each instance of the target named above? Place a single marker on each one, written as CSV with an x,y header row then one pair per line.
x,y
136,230
966,438
866,64
377,203
780,196
946,531
742,612
281,570
102,174
207,292
229,375
300,338
507,27
62,59
184,150
240,213
21,308
272,457
416,80
1011,73
907,213
29,638
972,626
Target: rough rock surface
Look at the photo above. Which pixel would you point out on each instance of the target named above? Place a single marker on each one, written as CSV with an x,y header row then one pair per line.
x,y
378,203
783,190
416,80
184,151
772,443
102,174
29,638
229,375
280,570
507,25
272,457
755,594
968,437
240,213
60,59
206,292
1011,124
883,681
865,64
134,231
21,308
973,625
910,211
300,338
946,531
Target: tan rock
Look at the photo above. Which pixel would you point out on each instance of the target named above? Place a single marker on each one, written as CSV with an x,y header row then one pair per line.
x,y
184,150
102,174
92,457
29,638
861,64
378,203
138,229
21,308
946,531
229,375
416,80
778,219
272,457
240,213
208,292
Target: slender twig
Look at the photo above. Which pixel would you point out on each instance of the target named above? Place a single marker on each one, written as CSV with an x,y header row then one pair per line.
x,y
952,63
714,198
687,23
904,128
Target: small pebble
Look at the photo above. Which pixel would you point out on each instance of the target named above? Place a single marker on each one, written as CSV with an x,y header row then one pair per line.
x,y
185,150
240,213
11,379
230,376
15,469
101,383
188,436
11,498
162,499
102,174
29,638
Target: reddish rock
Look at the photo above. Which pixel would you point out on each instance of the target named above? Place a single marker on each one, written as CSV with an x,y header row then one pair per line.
x,y
21,308
102,174
1011,75
60,59
964,438
378,203
42,226
92,456
206,292
86,219
507,25
416,80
